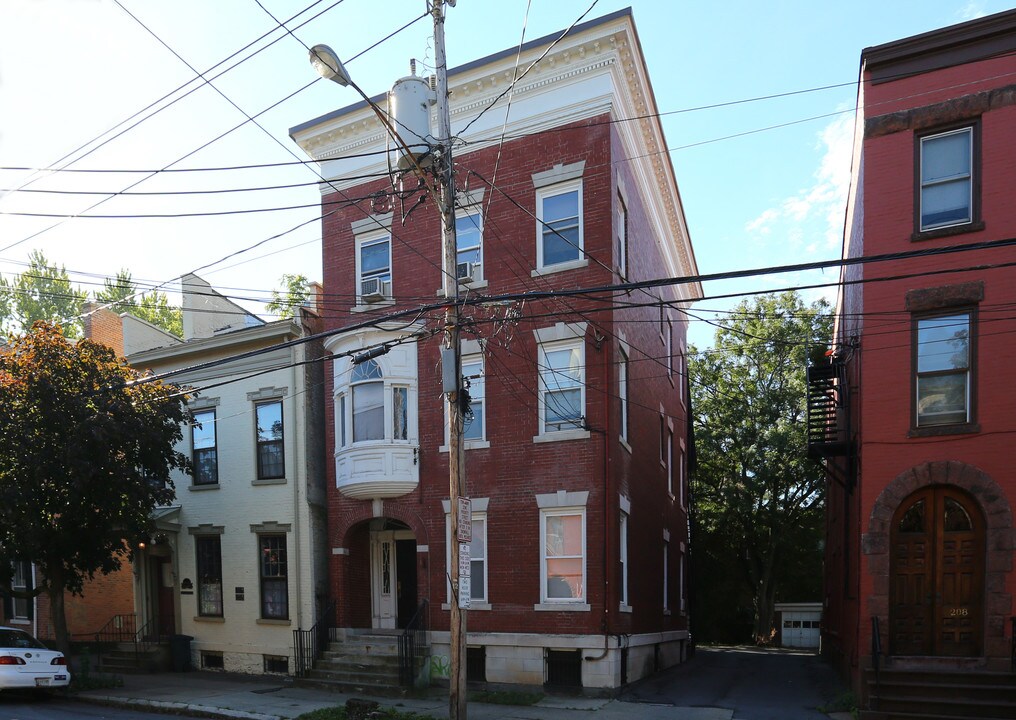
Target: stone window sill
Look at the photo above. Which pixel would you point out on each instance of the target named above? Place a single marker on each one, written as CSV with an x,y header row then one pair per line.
x,y
562,607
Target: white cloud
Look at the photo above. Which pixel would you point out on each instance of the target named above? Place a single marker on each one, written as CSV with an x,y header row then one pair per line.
x,y
971,11
812,219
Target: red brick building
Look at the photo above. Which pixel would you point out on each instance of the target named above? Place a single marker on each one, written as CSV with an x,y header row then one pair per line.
x,y
919,571
577,440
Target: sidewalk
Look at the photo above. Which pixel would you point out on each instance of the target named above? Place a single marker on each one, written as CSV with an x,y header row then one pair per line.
x,y
261,698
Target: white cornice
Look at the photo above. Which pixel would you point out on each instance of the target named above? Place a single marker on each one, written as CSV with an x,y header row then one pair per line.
x,y
597,71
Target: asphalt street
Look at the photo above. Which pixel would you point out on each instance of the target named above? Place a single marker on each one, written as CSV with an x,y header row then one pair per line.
x,y
757,684
26,706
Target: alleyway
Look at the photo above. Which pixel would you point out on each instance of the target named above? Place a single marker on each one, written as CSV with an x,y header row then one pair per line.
x,y
757,684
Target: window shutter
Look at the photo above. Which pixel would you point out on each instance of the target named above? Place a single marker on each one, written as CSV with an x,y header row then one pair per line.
x,y
8,606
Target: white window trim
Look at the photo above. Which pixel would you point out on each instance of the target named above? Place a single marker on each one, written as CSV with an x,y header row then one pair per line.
x,y
476,213
623,523
388,382
577,604
546,343
365,239
683,475
669,434
479,513
472,351
621,232
543,194
666,573
969,130
623,387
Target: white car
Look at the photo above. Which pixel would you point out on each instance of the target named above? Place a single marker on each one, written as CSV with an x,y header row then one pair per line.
x,y
27,663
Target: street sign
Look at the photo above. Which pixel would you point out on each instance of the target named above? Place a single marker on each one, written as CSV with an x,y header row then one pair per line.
x,y
465,581
465,509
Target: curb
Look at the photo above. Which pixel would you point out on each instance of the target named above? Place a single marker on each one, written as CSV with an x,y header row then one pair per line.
x,y
166,706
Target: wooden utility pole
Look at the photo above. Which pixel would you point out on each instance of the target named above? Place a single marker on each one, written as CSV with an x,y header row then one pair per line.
x,y
452,376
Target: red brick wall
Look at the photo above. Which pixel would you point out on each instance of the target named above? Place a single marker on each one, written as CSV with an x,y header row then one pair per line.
x,y
882,365
104,326
513,469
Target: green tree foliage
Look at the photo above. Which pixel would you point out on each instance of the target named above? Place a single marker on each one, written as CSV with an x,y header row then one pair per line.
x,y
121,294
294,294
86,455
42,292
758,498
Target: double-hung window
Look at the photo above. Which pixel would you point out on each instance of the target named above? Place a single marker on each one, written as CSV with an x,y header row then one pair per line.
x,y
562,386
368,389
271,459
473,424
375,264
623,558
469,248
563,561
559,223
21,582
209,568
206,460
274,577
477,555
947,188
622,391
666,576
943,367
621,233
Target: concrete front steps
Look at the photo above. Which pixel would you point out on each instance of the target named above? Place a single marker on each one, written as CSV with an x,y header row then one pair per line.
x,y
360,661
123,660
941,694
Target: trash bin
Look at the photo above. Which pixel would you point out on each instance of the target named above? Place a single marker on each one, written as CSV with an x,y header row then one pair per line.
x,y
179,646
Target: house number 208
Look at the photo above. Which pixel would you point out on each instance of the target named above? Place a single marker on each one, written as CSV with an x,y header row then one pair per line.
x,y
959,612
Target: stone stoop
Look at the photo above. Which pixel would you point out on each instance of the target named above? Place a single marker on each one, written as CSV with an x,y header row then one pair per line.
x,y
940,694
362,661
122,660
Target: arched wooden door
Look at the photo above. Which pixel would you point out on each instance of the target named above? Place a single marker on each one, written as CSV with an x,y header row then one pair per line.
x,y
936,603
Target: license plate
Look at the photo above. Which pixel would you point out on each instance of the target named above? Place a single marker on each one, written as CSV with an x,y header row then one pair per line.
x,y
41,682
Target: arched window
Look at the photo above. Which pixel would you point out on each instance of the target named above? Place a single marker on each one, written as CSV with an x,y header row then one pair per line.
x,y
367,387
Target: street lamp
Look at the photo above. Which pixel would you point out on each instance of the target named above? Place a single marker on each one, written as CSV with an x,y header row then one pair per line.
x,y
328,65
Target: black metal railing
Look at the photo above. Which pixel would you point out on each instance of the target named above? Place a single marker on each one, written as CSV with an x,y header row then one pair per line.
x,y
119,630
827,405
309,644
413,645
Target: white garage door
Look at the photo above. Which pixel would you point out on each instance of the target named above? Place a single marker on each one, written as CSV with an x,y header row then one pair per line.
x,y
801,629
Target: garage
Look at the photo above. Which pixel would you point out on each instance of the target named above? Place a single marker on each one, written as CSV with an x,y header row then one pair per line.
x,y
799,625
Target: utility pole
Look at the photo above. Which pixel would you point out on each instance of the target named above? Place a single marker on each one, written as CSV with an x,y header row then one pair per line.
x,y
452,356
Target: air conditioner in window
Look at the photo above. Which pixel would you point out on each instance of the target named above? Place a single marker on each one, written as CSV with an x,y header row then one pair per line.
x,y
465,272
375,289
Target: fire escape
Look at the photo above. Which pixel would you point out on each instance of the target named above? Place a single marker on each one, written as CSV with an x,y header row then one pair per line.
x,y
829,416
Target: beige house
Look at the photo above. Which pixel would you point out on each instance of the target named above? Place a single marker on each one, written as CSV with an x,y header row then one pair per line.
x,y
237,561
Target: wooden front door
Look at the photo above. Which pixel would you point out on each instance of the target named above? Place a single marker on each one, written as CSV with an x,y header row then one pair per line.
x,y
937,575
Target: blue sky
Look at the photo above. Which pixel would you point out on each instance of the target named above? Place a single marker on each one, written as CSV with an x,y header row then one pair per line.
x,y
72,69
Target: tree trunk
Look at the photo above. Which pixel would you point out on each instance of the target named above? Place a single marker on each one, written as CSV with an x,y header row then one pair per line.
x,y
56,611
765,604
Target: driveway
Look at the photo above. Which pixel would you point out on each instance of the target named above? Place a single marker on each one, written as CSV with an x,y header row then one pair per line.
x,y
756,683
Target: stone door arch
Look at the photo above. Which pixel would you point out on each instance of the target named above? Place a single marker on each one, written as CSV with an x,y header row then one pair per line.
x,y
998,537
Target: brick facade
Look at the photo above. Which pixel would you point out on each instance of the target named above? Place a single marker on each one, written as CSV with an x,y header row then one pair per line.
x,y
952,78
515,467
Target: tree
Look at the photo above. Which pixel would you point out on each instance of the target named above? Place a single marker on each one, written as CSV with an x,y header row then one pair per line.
x,y
86,455
759,499
293,296
42,292
121,294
